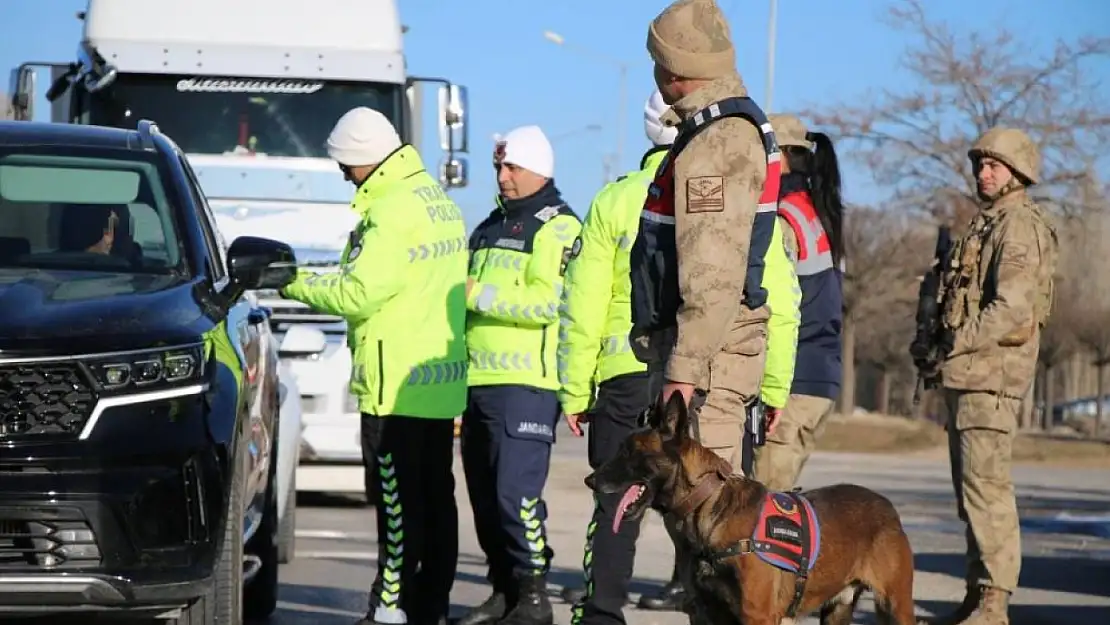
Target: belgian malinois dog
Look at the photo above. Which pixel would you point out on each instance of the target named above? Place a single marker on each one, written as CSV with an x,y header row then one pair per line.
x,y
846,538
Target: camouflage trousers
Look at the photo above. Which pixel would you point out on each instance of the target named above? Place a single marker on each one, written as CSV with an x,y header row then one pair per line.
x,y
734,382
779,463
981,428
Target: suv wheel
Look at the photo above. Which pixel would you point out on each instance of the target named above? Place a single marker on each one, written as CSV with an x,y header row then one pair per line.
x,y
223,603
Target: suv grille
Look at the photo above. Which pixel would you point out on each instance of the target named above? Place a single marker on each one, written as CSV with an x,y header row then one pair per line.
x,y
47,544
44,399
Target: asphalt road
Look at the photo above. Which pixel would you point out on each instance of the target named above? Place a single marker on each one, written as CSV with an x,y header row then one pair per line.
x,y
1066,542
1066,515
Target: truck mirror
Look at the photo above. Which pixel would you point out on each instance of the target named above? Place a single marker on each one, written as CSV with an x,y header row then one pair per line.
x,y
453,172
452,119
23,92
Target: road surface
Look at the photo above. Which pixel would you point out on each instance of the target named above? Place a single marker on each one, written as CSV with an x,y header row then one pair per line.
x,y
1066,575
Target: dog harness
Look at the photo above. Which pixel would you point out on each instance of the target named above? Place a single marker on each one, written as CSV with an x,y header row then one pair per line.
x,y
787,536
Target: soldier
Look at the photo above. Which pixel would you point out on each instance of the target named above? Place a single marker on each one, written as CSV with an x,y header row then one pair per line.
x,y
998,293
597,300
813,212
699,309
405,319
519,255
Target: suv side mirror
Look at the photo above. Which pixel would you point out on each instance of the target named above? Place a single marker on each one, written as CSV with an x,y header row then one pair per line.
x,y
258,263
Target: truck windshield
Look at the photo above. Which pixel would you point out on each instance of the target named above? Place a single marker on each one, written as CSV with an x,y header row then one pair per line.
x,y
85,208
218,115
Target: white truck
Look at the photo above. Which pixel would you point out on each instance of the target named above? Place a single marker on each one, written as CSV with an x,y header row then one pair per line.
x,y
250,90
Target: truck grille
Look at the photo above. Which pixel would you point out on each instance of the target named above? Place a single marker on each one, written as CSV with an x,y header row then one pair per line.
x,y
47,544
44,399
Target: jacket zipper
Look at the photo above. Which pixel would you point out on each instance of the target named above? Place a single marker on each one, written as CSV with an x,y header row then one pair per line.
x,y
381,372
543,352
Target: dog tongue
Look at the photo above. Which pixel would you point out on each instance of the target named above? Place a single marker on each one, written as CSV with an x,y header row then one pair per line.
x,y
627,499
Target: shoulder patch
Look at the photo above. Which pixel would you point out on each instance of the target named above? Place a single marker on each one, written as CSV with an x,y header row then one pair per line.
x,y
569,254
705,194
548,213
355,241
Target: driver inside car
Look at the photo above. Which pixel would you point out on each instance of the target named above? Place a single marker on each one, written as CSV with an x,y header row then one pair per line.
x,y
87,228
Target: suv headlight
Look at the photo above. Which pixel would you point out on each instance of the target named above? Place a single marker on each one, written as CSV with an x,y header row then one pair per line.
x,y
147,370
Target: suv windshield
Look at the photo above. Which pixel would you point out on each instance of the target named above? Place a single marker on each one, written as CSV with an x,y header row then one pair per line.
x,y
64,207
219,115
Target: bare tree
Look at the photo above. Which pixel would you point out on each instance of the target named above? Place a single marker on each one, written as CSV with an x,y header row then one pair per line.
x,y
915,142
883,257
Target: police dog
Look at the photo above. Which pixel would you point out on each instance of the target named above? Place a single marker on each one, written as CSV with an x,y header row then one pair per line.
x,y
859,537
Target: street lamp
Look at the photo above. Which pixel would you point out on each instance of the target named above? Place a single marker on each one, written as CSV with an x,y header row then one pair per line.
x,y
621,66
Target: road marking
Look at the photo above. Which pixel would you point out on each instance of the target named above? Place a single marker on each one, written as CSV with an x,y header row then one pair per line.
x,y
336,535
364,556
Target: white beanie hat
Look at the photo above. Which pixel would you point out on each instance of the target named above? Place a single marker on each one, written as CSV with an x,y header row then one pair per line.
x,y
526,147
656,132
362,136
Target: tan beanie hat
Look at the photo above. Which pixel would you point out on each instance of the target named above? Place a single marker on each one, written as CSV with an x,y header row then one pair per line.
x,y
789,130
691,39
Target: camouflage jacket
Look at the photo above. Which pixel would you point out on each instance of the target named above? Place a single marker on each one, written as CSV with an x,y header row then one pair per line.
x,y
998,295
715,243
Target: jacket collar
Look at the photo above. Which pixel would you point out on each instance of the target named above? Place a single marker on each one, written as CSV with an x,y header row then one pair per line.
x,y
404,162
715,91
548,195
651,158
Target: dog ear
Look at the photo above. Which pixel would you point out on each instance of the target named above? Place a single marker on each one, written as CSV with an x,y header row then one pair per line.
x,y
675,422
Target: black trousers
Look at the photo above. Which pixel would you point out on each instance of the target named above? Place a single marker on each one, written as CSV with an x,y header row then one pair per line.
x,y
506,438
607,560
418,522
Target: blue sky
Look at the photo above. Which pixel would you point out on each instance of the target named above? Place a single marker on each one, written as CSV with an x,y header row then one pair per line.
x,y
827,52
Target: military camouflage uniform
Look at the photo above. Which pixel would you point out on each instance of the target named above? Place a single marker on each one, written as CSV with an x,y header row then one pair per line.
x,y
998,295
719,345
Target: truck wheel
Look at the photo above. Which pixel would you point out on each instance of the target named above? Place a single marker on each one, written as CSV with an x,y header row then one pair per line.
x,y
260,596
224,602
287,535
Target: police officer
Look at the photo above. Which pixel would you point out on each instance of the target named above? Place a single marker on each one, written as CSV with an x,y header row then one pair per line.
x,y
997,296
594,348
812,209
406,314
519,256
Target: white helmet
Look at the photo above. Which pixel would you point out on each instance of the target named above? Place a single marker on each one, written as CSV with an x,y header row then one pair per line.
x,y
656,132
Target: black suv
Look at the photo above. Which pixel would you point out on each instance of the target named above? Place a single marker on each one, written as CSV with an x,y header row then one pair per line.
x,y
138,404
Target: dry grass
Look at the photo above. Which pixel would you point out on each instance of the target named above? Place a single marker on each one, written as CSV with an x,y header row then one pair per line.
x,y
898,435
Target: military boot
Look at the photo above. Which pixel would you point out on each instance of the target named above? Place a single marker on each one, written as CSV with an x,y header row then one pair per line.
x,y
993,609
960,614
531,606
489,611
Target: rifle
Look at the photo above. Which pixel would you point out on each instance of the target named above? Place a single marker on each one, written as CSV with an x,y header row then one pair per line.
x,y
925,348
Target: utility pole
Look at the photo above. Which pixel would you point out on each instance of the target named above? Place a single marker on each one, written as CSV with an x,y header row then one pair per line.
x,y
768,98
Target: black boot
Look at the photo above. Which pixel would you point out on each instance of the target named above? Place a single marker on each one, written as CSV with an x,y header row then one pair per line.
x,y
531,606
669,598
573,596
490,611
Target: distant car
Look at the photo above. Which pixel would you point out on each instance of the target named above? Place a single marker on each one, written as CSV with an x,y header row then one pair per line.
x,y
139,390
